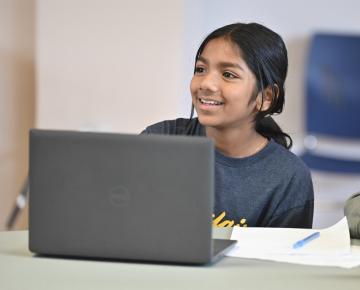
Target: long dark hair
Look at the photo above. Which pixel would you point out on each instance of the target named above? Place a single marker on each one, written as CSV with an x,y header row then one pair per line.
x,y
265,54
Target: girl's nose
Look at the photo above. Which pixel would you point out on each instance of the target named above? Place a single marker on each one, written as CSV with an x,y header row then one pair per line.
x,y
209,83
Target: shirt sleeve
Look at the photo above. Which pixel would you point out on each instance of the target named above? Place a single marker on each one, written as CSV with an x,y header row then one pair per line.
x,y
158,128
170,127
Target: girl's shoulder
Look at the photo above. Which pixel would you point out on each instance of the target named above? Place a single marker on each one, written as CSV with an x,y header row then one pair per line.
x,y
180,126
274,158
286,160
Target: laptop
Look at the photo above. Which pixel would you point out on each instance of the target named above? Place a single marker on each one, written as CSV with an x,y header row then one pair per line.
x,y
122,196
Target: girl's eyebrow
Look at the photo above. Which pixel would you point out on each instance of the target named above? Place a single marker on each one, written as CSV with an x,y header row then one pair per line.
x,y
202,59
231,64
222,64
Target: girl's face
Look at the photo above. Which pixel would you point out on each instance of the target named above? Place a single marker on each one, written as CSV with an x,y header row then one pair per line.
x,y
222,87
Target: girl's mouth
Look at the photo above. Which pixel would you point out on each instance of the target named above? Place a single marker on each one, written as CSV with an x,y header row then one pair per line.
x,y
210,102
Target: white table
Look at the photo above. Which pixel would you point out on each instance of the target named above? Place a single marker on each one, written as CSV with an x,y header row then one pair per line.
x,y
19,269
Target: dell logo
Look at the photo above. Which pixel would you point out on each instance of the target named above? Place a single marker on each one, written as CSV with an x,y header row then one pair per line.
x,y
119,196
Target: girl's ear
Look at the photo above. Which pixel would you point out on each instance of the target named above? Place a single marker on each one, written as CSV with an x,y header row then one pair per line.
x,y
265,98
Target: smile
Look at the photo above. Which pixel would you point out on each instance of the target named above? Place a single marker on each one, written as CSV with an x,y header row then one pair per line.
x,y
210,102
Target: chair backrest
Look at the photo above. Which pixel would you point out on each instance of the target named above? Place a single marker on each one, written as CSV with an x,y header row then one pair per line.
x,y
333,86
332,140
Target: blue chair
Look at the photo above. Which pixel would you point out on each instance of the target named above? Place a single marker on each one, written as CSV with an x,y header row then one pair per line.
x,y
333,104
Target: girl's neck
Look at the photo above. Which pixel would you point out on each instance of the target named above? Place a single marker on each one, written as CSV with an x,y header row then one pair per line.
x,y
235,142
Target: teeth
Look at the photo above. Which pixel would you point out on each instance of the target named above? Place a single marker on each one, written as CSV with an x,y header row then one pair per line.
x,y
210,102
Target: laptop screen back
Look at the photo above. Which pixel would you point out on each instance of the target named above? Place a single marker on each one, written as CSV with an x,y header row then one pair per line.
x,y
137,197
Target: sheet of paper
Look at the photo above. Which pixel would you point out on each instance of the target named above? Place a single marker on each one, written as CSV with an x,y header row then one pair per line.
x,y
332,248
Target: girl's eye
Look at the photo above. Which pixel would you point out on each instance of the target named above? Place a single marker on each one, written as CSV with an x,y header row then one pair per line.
x,y
229,75
199,69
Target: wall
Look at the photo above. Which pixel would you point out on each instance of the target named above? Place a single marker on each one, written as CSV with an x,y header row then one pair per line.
x,y
17,94
108,65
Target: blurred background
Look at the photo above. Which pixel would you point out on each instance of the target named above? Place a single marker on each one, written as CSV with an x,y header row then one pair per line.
x,y
118,66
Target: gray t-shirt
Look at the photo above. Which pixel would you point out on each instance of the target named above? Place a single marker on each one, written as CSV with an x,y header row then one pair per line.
x,y
272,188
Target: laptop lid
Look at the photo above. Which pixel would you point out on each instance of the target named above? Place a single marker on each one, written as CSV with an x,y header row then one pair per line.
x,y
137,197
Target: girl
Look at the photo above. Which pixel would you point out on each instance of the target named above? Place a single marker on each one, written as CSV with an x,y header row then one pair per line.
x,y
238,82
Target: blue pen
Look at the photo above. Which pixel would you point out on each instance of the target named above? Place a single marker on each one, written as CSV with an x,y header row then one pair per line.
x,y
306,240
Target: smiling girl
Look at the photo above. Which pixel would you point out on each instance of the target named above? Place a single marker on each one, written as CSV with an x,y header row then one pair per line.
x,y
238,82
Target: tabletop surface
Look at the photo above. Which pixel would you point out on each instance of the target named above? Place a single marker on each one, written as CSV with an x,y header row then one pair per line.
x,y
20,269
